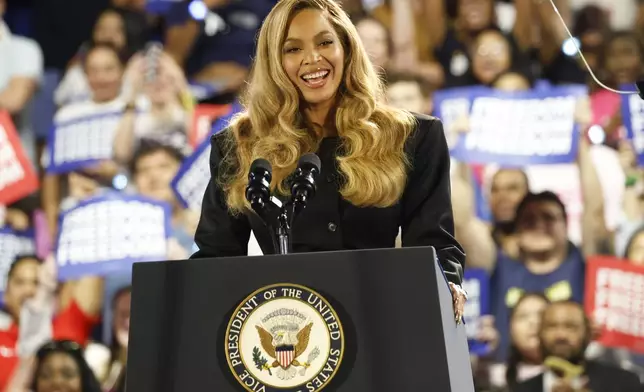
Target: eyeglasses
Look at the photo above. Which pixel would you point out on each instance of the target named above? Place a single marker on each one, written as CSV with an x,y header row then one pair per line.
x,y
68,346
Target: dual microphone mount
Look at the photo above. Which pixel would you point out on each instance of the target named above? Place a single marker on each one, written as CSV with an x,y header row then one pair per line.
x,y
278,216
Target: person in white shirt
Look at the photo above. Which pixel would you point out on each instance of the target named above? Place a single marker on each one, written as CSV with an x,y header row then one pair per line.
x,y
21,69
104,70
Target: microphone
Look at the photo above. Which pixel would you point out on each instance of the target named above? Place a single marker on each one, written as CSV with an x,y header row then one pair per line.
x,y
258,191
303,186
639,84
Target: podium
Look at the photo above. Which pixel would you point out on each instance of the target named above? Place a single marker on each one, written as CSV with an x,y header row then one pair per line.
x,y
347,321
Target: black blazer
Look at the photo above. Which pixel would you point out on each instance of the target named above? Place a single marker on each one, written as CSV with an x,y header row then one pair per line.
x,y
331,223
601,378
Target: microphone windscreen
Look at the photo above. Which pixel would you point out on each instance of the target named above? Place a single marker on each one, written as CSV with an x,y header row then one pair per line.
x,y
310,159
261,163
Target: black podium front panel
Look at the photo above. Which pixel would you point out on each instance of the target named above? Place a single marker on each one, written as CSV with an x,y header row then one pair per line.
x,y
394,306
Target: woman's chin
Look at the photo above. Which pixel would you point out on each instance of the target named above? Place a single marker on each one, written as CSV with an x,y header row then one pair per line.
x,y
318,97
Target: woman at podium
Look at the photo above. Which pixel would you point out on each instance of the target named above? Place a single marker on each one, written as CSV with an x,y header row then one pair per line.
x,y
314,89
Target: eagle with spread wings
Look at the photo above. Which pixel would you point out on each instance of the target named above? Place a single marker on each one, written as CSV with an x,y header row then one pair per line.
x,y
293,350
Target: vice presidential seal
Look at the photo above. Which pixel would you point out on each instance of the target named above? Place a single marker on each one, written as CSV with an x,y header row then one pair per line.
x,y
285,338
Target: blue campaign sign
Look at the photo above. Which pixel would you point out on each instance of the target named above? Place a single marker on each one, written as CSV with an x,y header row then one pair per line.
x,y
516,129
193,176
106,234
12,244
476,283
222,122
83,141
454,105
633,119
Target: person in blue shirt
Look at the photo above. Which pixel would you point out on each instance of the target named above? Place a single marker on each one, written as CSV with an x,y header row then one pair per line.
x,y
215,44
548,262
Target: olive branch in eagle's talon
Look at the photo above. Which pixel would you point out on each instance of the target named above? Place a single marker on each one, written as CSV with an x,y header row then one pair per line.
x,y
261,363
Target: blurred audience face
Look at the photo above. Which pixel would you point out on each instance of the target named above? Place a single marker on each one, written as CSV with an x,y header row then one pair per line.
x,y
154,172
408,95
591,44
564,331
110,29
2,7
375,38
491,56
542,228
635,251
512,82
524,327
624,60
104,74
313,47
59,372
22,284
509,186
122,318
475,15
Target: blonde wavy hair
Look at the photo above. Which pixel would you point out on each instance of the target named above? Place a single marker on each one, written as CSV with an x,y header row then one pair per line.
x,y
371,157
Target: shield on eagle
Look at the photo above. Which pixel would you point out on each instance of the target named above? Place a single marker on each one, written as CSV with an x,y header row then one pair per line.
x,y
285,355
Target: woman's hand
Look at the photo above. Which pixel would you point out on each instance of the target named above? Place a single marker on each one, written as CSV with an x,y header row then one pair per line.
x,y
174,72
459,301
134,76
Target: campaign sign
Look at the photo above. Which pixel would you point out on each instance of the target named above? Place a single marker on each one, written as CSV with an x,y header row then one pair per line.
x,y
222,122
521,128
190,183
476,283
13,244
202,120
78,143
106,234
615,299
453,106
17,177
633,119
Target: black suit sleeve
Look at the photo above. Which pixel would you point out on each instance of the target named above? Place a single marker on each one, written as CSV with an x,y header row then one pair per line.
x,y
630,382
219,233
426,204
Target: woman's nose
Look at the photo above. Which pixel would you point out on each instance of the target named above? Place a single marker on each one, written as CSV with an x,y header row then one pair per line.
x,y
312,57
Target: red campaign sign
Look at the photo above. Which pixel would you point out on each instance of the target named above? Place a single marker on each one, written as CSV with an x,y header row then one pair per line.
x,y
202,119
615,300
17,177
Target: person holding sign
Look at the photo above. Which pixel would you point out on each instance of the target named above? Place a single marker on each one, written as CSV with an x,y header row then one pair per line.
x,y
81,141
315,90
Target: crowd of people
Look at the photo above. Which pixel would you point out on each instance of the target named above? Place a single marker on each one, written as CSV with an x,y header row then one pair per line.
x,y
141,69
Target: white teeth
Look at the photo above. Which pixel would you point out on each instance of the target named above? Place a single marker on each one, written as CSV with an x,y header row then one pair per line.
x,y
319,74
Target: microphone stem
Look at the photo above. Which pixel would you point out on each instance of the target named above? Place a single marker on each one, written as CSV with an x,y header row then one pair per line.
x,y
283,241
283,231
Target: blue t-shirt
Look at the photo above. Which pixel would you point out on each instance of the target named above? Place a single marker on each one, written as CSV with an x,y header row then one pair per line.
x,y
511,279
234,38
